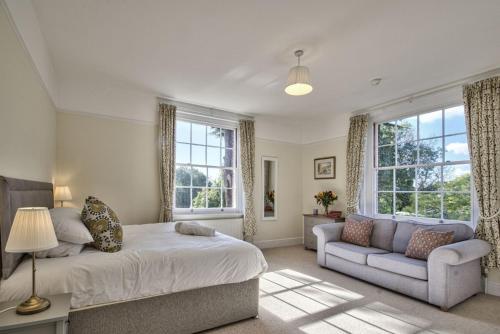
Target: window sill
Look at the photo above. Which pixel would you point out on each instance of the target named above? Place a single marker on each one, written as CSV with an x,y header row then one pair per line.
x,y
207,216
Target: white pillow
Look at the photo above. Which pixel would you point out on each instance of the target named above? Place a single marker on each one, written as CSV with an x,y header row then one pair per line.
x,y
69,226
64,249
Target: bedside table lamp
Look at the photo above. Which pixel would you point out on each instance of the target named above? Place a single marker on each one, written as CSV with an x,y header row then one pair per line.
x,y
62,194
32,231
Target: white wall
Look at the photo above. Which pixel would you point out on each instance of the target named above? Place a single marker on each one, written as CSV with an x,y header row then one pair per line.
x,y
27,115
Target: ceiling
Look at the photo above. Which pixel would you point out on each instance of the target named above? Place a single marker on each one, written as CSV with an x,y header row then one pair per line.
x,y
235,55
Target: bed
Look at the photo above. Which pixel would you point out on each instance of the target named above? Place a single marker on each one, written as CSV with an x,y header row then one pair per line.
x,y
160,282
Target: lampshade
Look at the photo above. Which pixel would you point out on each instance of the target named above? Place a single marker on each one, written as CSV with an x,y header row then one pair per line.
x,y
62,193
299,81
32,231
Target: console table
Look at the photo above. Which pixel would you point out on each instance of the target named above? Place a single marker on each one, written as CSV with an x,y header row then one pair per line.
x,y
310,240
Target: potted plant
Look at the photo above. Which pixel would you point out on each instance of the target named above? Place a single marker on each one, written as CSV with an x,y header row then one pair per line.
x,y
325,199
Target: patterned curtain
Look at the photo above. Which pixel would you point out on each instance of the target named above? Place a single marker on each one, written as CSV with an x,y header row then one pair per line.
x,y
247,135
167,160
482,115
356,147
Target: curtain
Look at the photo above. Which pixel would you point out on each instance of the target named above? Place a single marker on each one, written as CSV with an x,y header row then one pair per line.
x,y
482,115
247,143
167,160
355,157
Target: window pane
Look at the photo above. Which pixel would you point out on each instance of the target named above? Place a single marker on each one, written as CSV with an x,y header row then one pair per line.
x,y
214,177
457,178
457,206
456,148
214,199
429,205
431,124
198,155
385,180
431,151
407,153
386,156
213,136
227,198
227,157
429,178
227,138
199,175
228,177
213,156
454,120
183,131
199,198
385,203
405,179
182,199
182,153
386,133
199,135
405,204
407,129
182,176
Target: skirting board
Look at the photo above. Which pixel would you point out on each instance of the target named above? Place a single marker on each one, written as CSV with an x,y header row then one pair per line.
x,y
262,244
492,288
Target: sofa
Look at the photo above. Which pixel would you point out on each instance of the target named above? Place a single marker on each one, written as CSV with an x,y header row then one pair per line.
x,y
450,275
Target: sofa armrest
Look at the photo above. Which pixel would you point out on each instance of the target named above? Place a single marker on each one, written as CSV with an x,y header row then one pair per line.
x,y
325,234
454,272
460,252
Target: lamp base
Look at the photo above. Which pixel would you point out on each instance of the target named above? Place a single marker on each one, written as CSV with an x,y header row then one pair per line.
x,y
33,305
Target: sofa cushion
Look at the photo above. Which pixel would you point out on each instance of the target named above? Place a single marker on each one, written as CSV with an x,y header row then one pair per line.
x,y
383,231
399,264
423,242
350,252
404,231
357,232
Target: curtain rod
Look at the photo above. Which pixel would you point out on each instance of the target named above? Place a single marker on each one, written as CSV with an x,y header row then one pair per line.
x,y
431,91
194,109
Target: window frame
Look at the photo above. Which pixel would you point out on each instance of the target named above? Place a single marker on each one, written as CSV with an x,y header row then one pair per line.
x,y
374,169
237,187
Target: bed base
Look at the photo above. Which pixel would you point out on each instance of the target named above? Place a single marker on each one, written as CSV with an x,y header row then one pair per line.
x,y
181,312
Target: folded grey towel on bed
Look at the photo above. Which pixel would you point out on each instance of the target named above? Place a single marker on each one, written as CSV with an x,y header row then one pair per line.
x,y
194,228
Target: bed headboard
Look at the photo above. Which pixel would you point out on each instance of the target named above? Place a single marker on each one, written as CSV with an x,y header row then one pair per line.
x,y
14,194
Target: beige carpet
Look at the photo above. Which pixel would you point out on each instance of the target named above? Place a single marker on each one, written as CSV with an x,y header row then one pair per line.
x,y
297,296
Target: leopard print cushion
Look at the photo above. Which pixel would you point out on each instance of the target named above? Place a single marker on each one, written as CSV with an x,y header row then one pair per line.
x,y
357,232
423,242
103,224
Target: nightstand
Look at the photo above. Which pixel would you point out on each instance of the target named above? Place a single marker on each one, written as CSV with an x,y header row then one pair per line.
x,y
52,321
310,240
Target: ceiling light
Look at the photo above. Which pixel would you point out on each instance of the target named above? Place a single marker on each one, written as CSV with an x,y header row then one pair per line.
x,y
299,81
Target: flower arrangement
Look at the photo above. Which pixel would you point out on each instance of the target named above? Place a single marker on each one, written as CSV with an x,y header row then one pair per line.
x,y
325,198
270,196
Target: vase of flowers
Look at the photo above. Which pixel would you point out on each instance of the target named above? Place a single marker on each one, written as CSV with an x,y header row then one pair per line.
x,y
325,199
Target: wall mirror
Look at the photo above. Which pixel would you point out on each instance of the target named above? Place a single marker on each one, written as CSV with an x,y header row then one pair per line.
x,y
269,188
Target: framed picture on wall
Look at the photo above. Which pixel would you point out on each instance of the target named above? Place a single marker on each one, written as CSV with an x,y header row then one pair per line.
x,y
324,168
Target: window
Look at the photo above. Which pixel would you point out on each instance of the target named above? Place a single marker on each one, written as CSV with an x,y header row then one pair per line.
x,y
422,166
205,171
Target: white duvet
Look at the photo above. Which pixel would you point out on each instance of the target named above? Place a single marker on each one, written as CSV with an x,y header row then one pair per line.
x,y
154,260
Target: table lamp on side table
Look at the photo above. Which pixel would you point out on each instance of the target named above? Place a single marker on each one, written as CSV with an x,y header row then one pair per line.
x,y
62,194
32,231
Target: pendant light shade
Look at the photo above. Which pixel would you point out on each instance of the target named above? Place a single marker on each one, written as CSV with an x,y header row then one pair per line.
x,y
299,80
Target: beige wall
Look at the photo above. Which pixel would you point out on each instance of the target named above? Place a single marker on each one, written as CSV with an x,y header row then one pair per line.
x,y
27,115
331,147
287,228
112,159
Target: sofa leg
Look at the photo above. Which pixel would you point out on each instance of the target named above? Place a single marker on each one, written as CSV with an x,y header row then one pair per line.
x,y
444,308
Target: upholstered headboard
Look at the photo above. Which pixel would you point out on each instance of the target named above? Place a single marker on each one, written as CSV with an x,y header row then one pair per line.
x,y
14,194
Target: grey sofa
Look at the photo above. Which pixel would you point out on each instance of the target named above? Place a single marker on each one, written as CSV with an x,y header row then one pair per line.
x,y
450,275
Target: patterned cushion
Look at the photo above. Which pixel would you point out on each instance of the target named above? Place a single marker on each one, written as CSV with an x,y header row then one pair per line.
x,y
423,241
357,232
103,224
